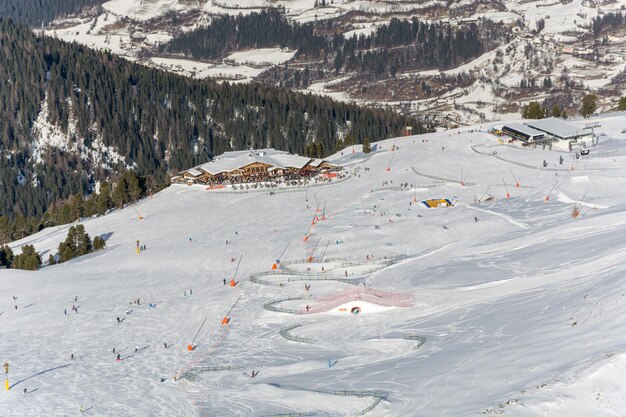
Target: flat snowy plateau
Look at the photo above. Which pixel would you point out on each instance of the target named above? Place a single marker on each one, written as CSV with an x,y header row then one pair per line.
x,y
518,308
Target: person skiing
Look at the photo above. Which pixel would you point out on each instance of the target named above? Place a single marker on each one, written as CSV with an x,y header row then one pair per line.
x,y
307,308
224,281
65,311
190,292
165,345
118,358
475,219
118,320
136,348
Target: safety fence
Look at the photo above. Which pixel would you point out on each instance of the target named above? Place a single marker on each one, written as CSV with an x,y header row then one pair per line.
x,y
192,374
280,190
398,188
284,332
378,397
297,277
271,305
434,177
380,263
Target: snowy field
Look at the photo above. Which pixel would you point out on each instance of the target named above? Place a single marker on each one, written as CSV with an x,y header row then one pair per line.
x,y
518,308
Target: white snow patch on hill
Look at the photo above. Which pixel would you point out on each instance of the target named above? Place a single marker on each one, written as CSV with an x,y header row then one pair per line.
x,y
262,56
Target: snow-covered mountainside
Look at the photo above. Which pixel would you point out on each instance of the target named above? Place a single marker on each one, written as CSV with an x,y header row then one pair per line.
x,y
550,40
495,305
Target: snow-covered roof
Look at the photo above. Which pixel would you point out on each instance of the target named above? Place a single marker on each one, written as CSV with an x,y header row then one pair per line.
x,y
231,161
193,171
527,130
557,127
316,162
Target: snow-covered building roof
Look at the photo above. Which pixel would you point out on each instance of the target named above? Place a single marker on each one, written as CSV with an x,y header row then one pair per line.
x,y
194,172
557,128
231,161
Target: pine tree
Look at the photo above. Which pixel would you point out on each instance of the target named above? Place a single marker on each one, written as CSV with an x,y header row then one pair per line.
x,y
120,193
51,260
29,259
6,256
98,243
134,191
104,199
77,243
366,146
533,111
589,105
622,104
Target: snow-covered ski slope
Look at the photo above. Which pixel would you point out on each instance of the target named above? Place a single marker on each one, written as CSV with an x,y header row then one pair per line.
x,y
521,313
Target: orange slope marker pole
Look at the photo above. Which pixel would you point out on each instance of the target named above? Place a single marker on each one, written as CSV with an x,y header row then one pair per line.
x,y
514,179
552,189
233,283
576,210
275,265
311,257
191,346
462,181
139,216
388,169
508,195
226,318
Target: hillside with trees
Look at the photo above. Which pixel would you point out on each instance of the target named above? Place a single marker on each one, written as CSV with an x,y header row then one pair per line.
x,y
401,45
113,116
41,12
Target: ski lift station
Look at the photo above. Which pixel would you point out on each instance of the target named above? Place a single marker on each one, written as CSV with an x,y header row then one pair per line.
x,y
557,129
539,130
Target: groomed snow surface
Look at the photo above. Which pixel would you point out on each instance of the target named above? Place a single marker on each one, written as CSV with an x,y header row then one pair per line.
x,y
522,311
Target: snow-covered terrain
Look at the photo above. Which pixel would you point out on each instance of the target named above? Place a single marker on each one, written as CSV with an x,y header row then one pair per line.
x,y
518,308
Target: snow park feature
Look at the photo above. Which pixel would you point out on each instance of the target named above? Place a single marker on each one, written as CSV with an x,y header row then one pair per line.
x,y
516,314
439,202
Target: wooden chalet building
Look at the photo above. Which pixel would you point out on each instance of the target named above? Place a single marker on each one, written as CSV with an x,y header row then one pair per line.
x,y
254,166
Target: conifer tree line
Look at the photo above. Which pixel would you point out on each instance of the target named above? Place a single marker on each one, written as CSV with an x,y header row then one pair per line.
x,y
158,122
402,45
41,12
77,243
610,20
127,190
